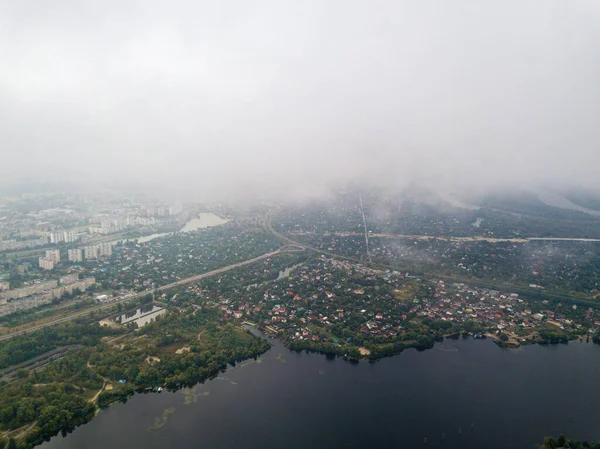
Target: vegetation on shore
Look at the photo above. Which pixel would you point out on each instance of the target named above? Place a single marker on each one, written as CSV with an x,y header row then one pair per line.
x,y
327,306
66,393
563,443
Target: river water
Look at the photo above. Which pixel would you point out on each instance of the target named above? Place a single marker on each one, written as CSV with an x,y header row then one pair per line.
x,y
141,316
202,221
462,394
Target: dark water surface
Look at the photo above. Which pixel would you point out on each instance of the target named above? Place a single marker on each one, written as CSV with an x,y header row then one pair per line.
x,y
474,393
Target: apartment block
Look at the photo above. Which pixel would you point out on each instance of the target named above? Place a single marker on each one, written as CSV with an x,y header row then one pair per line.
x,y
75,255
46,264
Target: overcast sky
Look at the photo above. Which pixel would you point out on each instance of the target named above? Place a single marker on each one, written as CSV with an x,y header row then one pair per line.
x,y
247,93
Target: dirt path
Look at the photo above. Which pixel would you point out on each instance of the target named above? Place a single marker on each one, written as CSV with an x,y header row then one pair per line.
x,y
19,433
94,399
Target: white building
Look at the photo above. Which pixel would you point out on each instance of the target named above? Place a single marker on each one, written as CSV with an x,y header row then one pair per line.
x,y
105,249
53,254
46,264
69,236
7,245
69,279
95,230
90,252
75,255
142,221
57,237
34,289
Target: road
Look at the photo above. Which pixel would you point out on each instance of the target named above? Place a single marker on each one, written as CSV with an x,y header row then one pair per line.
x,y
292,243
462,239
364,219
289,243
268,226
138,295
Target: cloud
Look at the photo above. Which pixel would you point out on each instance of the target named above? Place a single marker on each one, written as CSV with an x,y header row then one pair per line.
x,y
232,95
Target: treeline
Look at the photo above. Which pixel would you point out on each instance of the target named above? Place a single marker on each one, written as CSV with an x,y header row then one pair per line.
x,y
376,352
27,316
415,217
248,275
62,395
216,348
562,442
25,347
554,337
54,398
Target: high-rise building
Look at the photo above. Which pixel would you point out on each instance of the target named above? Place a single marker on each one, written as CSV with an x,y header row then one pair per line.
x,y
74,255
57,237
90,252
46,264
35,289
53,254
69,236
105,249
69,279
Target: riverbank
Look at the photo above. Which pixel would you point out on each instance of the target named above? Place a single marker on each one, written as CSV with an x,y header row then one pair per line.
x,y
68,392
204,220
373,353
469,392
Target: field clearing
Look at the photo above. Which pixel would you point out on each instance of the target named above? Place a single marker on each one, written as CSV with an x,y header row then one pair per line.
x,y
407,293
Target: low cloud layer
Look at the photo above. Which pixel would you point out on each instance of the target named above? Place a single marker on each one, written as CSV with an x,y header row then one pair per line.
x,y
297,96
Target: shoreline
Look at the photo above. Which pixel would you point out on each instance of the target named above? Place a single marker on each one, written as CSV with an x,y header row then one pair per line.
x,y
413,345
108,399
34,436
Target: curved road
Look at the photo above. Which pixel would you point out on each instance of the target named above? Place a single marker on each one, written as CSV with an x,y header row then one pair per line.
x,y
268,226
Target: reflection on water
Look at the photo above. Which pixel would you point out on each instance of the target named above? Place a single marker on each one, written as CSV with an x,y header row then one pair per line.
x,y
286,271
147,238
204,220
141,316
281,275
476,396
150,317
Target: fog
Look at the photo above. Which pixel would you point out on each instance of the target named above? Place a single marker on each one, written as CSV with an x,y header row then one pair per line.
x,y
296,97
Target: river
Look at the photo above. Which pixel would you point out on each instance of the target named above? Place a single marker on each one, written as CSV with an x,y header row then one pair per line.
x,y
462,394
202,221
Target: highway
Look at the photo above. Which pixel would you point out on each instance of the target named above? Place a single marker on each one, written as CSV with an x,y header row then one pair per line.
x,y
268,226
458,239
185,281
292,243
486,284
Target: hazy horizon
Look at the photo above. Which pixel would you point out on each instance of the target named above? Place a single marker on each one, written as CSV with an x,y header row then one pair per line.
x,y
241,99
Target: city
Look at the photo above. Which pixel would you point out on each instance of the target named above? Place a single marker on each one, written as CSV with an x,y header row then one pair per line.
x,y
277,224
